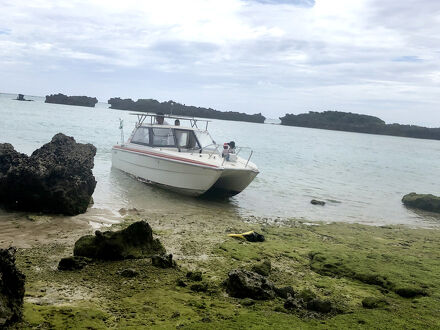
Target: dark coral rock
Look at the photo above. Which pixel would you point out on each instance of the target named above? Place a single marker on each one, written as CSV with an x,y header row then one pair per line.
x,y
425,202
194,276
11,288
57,178
247,284
73,263
293,304
320,305
264,268
163,261
199,287
129,272
317,202
285,292
135,241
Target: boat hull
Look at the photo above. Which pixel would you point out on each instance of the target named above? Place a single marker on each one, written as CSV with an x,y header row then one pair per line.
x,y
187,178
232,182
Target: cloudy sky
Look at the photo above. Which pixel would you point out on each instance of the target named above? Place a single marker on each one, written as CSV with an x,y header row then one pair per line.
x,y
271,56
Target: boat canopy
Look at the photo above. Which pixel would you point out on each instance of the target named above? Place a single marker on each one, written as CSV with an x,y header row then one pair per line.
x,y
152,118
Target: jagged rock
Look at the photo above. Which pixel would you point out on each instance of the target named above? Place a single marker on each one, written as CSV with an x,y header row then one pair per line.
x,y
320,305
199,287
20,97
163,261
247,284
316,202
292,303
135,241
11,288
264,268
57,178
285,292
129,272
59,98
181,283
425,202
194,276
73,263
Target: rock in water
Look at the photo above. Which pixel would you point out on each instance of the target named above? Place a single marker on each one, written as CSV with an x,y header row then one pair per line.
x,y
135,241
11,288
317,202
246,284
57,178
426,202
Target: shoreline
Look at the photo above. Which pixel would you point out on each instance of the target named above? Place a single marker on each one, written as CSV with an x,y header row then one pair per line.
x,y
97,296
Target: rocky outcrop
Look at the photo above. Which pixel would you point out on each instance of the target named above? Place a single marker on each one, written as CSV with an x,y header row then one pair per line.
x,y
247,284
73,263
11,288
163,261
20,97
84,101
171,107
135,241
353,122
57,178
425,202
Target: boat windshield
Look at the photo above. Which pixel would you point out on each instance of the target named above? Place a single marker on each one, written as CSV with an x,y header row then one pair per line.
x,y
204,139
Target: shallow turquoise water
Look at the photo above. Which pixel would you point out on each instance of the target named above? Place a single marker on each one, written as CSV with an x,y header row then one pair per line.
x,y
361,177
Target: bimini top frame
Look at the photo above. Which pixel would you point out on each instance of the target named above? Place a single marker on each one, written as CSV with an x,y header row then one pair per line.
x,y
152,116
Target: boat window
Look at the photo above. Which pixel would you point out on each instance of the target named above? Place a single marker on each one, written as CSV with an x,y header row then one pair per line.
x,y
186,139
163,137
204,138
141,136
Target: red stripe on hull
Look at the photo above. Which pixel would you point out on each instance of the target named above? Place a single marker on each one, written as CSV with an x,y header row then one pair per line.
x,y
185,160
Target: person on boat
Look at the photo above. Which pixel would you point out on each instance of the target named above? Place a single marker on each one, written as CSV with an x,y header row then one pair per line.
x,y
177,122
231,147
160,120
225,152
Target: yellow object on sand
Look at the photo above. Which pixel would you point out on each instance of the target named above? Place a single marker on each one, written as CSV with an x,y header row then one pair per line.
x,y
242,235
250,236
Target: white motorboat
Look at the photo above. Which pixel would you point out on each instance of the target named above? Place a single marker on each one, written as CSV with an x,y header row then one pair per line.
x,y
183,158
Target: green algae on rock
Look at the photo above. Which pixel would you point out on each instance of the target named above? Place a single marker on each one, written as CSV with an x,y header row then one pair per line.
x,y
425,202
136,241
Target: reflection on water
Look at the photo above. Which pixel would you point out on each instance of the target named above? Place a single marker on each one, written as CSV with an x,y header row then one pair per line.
x,y
361,177
126,191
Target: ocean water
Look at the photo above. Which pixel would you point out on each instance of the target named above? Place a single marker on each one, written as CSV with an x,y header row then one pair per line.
x,y
361,177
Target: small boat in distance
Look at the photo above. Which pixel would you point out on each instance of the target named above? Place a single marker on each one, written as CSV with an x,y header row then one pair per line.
x,y
182,158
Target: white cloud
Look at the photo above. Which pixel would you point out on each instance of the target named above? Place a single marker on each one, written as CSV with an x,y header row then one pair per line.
x,y
340,54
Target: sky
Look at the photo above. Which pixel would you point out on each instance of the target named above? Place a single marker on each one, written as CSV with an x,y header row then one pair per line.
x,y
374,57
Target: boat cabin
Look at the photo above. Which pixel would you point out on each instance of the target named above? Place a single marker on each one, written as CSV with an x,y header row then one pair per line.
x,y
158,133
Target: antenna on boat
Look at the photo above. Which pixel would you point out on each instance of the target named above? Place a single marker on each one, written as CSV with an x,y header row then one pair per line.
x,y
121,127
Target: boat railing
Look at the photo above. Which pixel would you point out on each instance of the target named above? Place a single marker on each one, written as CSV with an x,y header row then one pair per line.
x,y
152,116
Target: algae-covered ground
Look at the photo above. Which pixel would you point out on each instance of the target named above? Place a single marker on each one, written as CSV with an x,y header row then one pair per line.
x,y
395,271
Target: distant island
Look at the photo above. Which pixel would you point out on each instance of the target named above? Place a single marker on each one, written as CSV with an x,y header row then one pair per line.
x,y
352,122
84,101
171,107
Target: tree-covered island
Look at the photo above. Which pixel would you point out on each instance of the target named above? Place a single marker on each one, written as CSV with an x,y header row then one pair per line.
x,y
352,122
178,109
84,101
